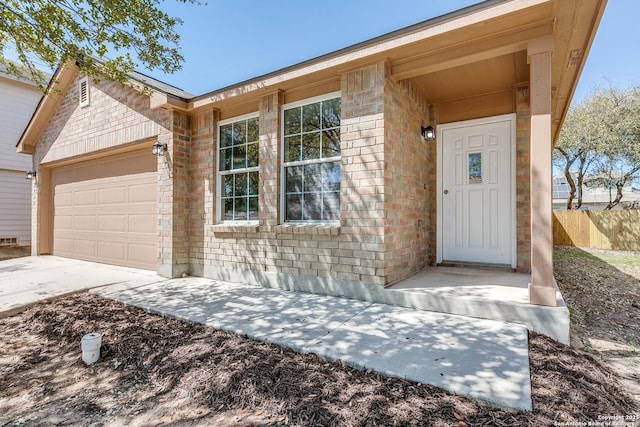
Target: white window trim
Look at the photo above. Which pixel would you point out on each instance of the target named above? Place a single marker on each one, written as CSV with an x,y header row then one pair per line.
x,y
283,203
84,82
219,173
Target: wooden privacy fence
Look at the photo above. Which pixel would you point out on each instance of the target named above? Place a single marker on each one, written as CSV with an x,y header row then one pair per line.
x,y
619,230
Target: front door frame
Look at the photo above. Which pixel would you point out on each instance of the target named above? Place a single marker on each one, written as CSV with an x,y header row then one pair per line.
x,y
439,186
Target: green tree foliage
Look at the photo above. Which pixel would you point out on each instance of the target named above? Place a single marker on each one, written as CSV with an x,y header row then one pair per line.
x,y
600,142
118,32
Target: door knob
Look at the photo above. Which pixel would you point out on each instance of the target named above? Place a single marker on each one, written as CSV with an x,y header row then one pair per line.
x,y
446,191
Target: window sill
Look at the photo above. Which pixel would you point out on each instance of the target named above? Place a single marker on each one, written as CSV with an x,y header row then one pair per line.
x,y
236,227
320,229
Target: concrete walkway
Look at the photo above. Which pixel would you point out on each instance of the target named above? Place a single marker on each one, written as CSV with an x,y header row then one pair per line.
x,y
483,359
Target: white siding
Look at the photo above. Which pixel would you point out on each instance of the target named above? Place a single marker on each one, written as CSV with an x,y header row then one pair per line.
x,y
18,101
15,206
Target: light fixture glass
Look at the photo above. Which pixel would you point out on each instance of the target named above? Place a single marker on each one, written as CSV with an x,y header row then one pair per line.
x,y
428,133
31,174
158,149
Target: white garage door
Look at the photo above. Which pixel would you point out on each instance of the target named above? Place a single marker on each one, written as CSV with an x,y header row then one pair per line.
x,y
105,210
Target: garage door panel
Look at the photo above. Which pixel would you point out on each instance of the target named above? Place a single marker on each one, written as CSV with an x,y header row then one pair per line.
x,y
112,223
113,195
62,200
142,223
63,222
85,223
113,251
85,247
63,245
105,210
142,254
142,193
84,197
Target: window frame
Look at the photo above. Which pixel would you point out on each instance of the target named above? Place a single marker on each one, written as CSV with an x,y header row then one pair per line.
x,y
220,174
284,165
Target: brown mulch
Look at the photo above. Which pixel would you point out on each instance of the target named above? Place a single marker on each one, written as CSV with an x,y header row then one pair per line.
x,y
155,370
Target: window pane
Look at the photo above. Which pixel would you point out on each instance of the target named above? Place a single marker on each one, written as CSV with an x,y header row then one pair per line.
x,y
239,132
240,187
253,208
311,146
294,179
331,176
225,159
228,185
228,209
294,208
312,209
240,208
311,117
292,149
475,168
239,149
252,155
253,130
240,157
312,178
292,121
331,113
253,184
331,206
331,143
225,135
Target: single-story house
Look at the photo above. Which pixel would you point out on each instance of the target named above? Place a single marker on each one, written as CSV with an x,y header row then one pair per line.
x,y
18,100
325,173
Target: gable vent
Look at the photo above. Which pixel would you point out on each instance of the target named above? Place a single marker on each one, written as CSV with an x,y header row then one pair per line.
x,y
83,90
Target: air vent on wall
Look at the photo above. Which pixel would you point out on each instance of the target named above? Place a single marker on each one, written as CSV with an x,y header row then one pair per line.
x,y
83,92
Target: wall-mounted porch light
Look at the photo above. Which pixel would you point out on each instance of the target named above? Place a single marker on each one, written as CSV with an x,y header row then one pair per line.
x,y
31,174
158,149
428,133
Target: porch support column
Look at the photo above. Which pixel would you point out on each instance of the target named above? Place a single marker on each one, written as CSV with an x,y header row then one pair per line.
x,y
541,289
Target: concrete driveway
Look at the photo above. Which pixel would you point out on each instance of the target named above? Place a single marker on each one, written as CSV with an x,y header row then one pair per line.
x,y
29,280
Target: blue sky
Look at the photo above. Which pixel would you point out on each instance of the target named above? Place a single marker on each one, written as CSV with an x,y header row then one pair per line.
x,y
228,41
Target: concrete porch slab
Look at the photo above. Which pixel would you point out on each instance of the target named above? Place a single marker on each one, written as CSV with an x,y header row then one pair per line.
x,y
482,293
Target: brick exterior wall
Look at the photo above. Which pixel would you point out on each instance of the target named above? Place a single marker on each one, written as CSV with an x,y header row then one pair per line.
x,y
116,116
387,229
174,185
202,186
523,180
407,178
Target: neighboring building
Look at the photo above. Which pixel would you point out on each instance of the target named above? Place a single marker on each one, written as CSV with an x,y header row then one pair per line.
x,y
317,176
18,100
593,197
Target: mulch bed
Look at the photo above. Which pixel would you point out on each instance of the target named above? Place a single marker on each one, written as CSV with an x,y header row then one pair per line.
x,y
155,370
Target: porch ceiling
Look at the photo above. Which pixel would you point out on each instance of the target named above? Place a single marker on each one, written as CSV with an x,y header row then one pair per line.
x,y
479,64
489,76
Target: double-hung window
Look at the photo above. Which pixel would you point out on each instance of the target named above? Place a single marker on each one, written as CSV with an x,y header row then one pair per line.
x,y
311,160
238,169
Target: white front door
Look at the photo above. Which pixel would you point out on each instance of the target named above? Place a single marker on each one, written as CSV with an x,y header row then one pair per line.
x,y
477,206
